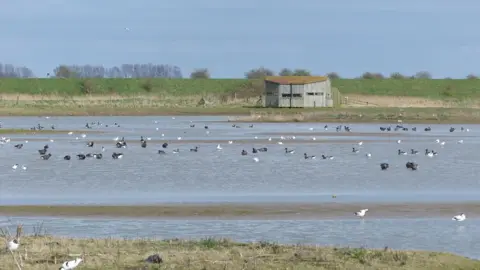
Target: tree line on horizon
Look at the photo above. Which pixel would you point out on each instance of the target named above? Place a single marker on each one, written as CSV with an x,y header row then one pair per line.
x,y
170,71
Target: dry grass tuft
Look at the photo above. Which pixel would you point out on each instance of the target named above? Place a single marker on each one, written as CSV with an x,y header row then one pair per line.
x,y
44,252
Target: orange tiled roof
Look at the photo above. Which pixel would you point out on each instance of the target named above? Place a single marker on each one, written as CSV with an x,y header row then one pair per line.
x,y
295,79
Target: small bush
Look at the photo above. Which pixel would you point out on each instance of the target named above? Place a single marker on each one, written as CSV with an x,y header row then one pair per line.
x,y
397,76
87,87
201,73
333,75
423,75
447,92
368,76
147,85
371,75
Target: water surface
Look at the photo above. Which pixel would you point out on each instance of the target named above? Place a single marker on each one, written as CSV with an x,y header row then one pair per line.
x,y
209,175
418,234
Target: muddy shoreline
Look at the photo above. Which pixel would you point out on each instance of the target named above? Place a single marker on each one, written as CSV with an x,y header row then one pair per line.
x,y
249,210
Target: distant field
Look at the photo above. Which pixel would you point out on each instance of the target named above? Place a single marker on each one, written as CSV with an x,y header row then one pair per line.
x,y
433,89
240,88
368,100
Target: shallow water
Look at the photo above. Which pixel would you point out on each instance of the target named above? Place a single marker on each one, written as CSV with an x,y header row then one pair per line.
x,y
209,175
419,234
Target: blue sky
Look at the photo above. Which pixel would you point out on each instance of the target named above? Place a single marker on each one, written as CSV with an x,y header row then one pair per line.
x,y
231,37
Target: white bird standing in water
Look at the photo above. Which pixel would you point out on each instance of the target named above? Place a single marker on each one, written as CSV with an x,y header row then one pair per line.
x,y
256,159
460,217
361,213
219,147
15,166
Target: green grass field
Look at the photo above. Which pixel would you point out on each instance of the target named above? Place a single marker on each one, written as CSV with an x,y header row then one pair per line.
x,y
428,88
441,100
433,88
174,87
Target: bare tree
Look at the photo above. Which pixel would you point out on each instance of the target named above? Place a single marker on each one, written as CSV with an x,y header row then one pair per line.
x,y
114,72
333,75
423,75
285,72
124,71
258,73
201,73
301,72
11,71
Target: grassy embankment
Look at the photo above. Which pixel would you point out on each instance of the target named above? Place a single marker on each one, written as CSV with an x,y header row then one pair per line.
x,y
368,100
43,252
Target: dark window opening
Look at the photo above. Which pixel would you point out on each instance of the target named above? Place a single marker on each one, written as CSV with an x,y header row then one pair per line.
x,y
315,94
294,95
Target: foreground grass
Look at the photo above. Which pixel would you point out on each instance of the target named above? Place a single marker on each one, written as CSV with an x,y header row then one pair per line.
x,y
43,252
433,88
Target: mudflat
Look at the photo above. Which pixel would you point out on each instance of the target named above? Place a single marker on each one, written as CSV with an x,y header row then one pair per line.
x,y
329,210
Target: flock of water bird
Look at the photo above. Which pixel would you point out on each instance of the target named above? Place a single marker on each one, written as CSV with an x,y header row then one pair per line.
x,y
120,143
